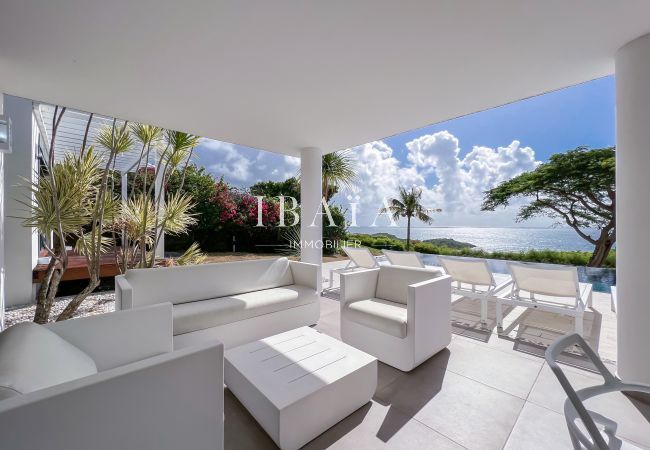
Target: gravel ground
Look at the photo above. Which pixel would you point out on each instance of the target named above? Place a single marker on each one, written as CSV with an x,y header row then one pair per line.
x,y
99,303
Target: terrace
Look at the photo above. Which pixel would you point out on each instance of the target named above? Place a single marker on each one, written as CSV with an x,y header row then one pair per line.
x,y
305,81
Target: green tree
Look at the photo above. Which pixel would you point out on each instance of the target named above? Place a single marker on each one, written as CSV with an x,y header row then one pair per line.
x,y
576,188
289,188
339,170
408,205
198,184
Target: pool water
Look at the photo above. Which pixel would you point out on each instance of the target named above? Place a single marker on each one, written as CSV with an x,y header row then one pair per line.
x,y
602,279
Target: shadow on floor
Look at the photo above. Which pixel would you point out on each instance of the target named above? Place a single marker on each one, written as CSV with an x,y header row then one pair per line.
x,y
534,334
466,319
420,385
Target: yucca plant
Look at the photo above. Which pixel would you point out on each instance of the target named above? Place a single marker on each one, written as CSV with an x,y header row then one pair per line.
x,y
61,204
115,140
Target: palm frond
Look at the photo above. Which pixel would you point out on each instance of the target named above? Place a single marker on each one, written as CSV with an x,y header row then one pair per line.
x,y
191,256
115,139
175,214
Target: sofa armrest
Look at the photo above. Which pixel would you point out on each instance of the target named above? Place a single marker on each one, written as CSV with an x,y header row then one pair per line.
x,y
358,285
121,337
123,293
429,307
306,274
167,402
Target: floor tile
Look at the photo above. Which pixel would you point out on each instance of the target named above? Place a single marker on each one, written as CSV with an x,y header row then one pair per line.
x,y
548,392
510,373
632,417
539,429
377,426
464,410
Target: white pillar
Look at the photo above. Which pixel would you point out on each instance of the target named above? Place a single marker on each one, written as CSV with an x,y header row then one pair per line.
x,y
311,237
2,228
633,209
125,186
160,248
21,244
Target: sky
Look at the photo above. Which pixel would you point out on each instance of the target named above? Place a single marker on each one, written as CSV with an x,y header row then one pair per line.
x,y
453,162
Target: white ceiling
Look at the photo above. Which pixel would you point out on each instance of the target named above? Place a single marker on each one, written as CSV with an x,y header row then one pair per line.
x,y
282,75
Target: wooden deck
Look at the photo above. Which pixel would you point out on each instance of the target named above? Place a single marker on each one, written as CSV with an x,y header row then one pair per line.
x,y
78,269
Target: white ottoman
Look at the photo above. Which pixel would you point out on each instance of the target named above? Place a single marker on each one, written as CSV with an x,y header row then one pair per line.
x,y
299,383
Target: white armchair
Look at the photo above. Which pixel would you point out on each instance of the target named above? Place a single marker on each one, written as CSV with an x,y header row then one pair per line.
x,y
108,382
401,316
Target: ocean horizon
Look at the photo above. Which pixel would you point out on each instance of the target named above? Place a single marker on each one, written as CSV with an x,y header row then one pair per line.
x,y
493,238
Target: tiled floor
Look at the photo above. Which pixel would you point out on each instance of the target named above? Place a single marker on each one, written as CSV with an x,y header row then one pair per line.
x,y
483,392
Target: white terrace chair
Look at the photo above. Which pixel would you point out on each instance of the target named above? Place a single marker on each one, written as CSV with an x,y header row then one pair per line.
x,y
473,279
406,259
547,287
360,258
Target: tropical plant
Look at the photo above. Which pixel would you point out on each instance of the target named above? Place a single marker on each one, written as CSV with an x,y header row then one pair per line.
x,y
407,204
272,189
115,140
577,188
339,169
60,204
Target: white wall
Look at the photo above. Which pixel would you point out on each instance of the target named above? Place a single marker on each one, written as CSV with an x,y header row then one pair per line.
x,y
2,239
21,244
633,209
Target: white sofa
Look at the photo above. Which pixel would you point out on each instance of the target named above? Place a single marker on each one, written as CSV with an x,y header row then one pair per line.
x,y
235,303
109,382
401,316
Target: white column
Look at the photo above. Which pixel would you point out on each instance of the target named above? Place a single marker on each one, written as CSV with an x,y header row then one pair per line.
x,y
160,248
2,229
633,209
21,244
125,186
311,237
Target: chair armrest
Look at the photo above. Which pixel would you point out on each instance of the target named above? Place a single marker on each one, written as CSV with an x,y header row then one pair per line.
x,y
358,285
121,337
167,402
123,293
306,274
499,287
586,295
429,305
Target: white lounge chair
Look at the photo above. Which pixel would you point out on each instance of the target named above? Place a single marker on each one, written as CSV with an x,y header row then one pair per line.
x,y
406,259
360,259
473,279
547,287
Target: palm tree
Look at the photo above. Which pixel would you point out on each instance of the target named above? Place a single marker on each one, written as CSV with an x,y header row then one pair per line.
x,y
339,170
408,205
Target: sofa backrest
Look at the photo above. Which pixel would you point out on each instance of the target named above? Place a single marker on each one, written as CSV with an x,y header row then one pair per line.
x,y
184,284
393,281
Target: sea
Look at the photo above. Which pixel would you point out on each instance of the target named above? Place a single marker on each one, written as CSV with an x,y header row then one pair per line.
x,y
508,239
494,239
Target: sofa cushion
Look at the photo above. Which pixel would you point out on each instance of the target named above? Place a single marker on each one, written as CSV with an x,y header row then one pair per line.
x,y
33,357
393,281
382,315
183,284
204,314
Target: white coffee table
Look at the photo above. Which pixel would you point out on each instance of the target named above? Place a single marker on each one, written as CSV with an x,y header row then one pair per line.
x,y
299,383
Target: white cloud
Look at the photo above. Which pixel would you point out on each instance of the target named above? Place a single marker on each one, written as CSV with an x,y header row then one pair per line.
x,y
243,166
450,182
